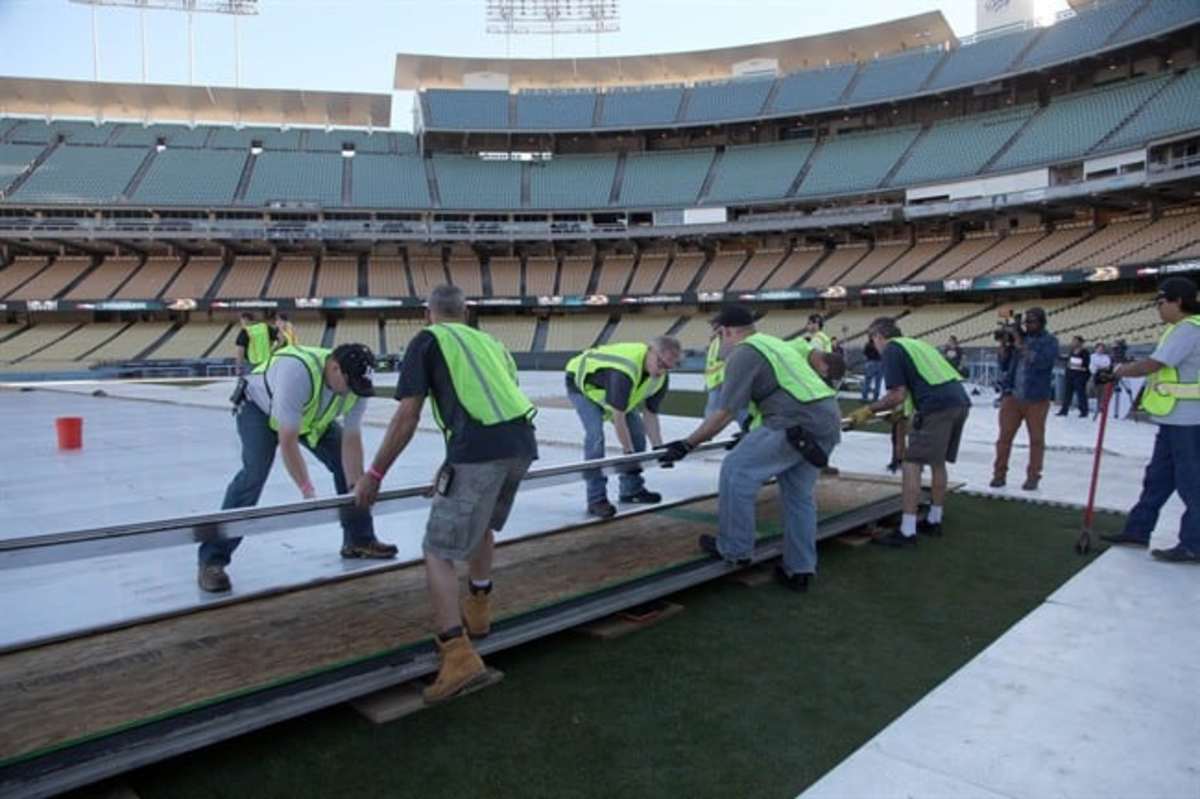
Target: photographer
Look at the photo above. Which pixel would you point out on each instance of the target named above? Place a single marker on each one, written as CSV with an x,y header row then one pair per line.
x,y
1078,366
1027,354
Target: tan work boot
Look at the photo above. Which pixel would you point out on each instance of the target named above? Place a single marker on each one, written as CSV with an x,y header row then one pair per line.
x,y
461,668
477,613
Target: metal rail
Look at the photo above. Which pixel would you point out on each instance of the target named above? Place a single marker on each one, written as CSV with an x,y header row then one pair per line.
x,y
95,760
243,522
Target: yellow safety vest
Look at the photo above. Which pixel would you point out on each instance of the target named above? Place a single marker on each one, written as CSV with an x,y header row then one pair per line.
x,y
792,372
931,365
628,359
1163,388
258,348
314,420
483,374
714,367
821,341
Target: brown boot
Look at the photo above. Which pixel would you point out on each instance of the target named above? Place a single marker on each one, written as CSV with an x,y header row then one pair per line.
x,y
477,613
461,668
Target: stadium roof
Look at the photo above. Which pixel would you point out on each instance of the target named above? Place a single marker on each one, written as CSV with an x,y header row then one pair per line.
x,y
807,52
177,103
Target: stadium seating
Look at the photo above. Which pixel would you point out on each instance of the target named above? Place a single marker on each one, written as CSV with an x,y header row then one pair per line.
x,y
466,109
881,256
134,340
575,274
642,327
74,346
311,332
1173,232
573,333
33,340
956,148
678,277
191,177
953,259
81,174
364,142
357,331
398,332
758,172
198,339
426,269
337,277
695,333
812,89
936,322
664,178
558,110
246,278
541,275
387,276
1173,111
855,161
102,281
171,135
1072,125
381,181
467,182
913,260
1157,16
292,277
51,282
195,279
631,108
614,274
1064,236
18,271
836,264
794,267
514,332
722,269
1088,252
465,273
15,159
506,276
1083,33
1003,257
582,181
850,324
980,61
646,274
783,323
296,177
234,138
756,270
895,76
149,281
727,100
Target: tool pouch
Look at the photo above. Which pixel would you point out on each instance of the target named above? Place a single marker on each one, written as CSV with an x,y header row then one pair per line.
x,y
239,394
807,446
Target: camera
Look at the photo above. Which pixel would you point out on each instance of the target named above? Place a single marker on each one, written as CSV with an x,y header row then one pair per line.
x,y
1009,329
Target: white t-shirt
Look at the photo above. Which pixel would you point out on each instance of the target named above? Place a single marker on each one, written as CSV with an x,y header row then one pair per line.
x,y
1100,360
1182,351
291,388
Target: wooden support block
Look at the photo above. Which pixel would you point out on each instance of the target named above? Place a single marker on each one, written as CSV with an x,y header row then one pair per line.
x,y
404,700
108,790
629,621
752,577
856,538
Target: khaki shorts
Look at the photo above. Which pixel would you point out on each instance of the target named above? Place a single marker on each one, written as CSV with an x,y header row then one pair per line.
x,y
480,499
935,437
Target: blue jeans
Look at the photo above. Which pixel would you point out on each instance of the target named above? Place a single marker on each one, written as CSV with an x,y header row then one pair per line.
x,y
1174,466
872,378
761,455
259,443
592,417
1076,388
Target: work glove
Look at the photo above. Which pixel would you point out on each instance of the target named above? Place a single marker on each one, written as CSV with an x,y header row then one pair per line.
x,y
737,437
895,417
860,416
675,451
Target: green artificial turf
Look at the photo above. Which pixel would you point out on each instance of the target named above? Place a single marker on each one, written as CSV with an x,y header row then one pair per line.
x,y
749,692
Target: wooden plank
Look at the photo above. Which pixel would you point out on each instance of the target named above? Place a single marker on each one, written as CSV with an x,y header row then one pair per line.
x,y
621,624
754,576
404,700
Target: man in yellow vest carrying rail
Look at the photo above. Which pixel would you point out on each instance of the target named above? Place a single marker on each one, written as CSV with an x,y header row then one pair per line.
x,y
918,377
1172,398
296,398
254,342
487,422
625,383
794,426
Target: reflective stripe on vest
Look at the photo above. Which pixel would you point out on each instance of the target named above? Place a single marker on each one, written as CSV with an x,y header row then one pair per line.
x,y
258,347
628,359
714,367
314,420
483,374
791,369
1163,388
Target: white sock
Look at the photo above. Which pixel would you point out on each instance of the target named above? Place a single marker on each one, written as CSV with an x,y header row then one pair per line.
x,y
908,525
935,514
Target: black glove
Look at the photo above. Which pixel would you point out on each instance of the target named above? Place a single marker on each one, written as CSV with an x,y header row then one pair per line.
x,y
1105,376
675,451
737,437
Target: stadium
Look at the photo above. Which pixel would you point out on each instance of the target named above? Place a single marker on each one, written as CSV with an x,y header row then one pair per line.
x,y
892,169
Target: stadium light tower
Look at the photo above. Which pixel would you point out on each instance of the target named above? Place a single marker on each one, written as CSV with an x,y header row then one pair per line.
x,y
234,8
552,17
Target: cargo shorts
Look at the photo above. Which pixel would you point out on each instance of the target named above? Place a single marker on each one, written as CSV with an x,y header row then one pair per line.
x,y
479,499
934,437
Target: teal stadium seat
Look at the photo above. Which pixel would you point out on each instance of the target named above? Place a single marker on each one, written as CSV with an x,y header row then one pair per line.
x,y
895,76
1158,17
556,110
957,148
981,61
468,183
389,181
668,178
173,135
296,177
1176,110
758,172
812,89
855,161
578,181
1083,33
14,158
637,107
192,177
739,99
466,109
334,140
81,174
242,138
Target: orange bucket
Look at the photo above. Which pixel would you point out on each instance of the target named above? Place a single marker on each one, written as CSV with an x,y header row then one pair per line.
x,y
70,432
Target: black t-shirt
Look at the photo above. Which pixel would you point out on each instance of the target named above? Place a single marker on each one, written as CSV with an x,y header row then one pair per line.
x,y
1079,361
899,370
618,387
424,372
243,339
870,352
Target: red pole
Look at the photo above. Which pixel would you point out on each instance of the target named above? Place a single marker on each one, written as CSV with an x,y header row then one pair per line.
x,y
1104,399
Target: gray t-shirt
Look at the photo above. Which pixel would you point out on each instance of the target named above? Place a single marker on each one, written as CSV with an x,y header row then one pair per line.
x,y
1182,351
291,388
749,376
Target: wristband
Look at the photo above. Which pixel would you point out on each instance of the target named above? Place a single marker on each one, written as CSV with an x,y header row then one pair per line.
x,y
373,472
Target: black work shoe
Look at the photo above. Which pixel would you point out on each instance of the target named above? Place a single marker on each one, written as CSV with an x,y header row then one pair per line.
x,y
708,544
604,509
1176,554
643,497
374,550
1061,413
895,539
932,529
1029,485
893,467
1121,539
797,582
213,579
997,482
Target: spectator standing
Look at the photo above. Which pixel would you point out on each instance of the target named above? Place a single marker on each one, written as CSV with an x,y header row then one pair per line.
x,y
1026,370
953,353
254,342
1078,369
872,373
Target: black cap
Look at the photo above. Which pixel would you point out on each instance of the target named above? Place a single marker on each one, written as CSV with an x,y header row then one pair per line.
x,y
1177,289
357,362
820,320
733,316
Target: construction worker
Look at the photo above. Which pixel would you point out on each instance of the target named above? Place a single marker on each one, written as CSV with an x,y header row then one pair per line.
x,y
487,422
624,383
919,379
795,424
814,333
254,342
295,399
287,333
714,372
1172,399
